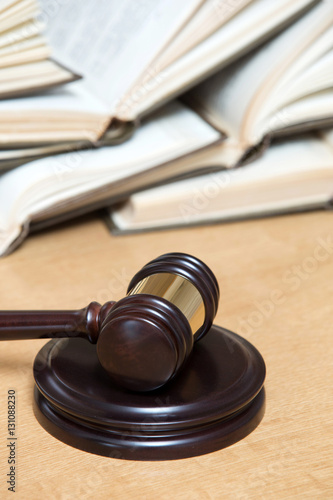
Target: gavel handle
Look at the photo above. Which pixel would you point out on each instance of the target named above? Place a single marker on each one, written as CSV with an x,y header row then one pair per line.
x,y
86,323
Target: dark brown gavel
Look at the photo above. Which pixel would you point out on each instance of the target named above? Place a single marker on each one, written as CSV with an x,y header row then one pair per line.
x,y
144,339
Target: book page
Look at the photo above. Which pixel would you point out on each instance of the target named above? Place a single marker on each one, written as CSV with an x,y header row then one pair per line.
x,y
25,31
318,106
74,97
41,75
5,4
308,72
18,13
22,46
318,76
24,52
112,43
240,84
22,153
259,20
172,132
65,113
291,174
209,18
307,99
10,8
31,50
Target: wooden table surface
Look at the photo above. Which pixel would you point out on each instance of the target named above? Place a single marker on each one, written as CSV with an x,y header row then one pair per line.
x,y
276,280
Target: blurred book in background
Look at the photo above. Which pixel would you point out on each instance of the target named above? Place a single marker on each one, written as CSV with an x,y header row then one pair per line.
x,y
25,56
278,88
133,57
294,175
282,88
55,188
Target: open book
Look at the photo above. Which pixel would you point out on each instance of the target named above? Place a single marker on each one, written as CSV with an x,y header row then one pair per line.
x,y
48,189
133,56
25,63
284,87
294,175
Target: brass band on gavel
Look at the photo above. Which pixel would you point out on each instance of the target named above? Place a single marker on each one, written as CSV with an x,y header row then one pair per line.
x,y
177,290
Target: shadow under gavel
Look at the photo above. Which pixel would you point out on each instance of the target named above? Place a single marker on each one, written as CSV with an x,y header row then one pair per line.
x,y
144,339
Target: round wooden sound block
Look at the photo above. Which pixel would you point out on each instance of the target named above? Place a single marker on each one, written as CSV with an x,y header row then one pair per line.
x,y
217,400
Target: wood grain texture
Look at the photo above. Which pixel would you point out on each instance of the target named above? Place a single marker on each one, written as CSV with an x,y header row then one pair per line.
x,y
276,282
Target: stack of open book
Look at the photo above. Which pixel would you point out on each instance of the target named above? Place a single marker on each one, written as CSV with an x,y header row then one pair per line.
x,y
253,71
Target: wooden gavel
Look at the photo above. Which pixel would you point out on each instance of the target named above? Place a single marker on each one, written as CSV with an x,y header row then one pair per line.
x,y
144,339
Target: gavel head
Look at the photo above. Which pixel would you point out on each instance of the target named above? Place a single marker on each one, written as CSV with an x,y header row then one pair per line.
x,y
146,337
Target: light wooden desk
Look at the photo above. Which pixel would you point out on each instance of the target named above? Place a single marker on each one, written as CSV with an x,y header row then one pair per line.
x,y
276,280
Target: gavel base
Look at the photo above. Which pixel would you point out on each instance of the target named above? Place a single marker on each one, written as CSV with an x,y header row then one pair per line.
x,y
217,400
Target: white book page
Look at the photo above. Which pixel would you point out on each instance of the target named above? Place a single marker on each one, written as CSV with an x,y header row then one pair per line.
x,y
209,18
19,13
39,75
217,97
319,76
318,106
31,152
74,97
111,43
22,46
172,132
22,53
309,99
61,114
23,32
308,72
22,72
242,32
13,9
237,192
10,8
5,4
